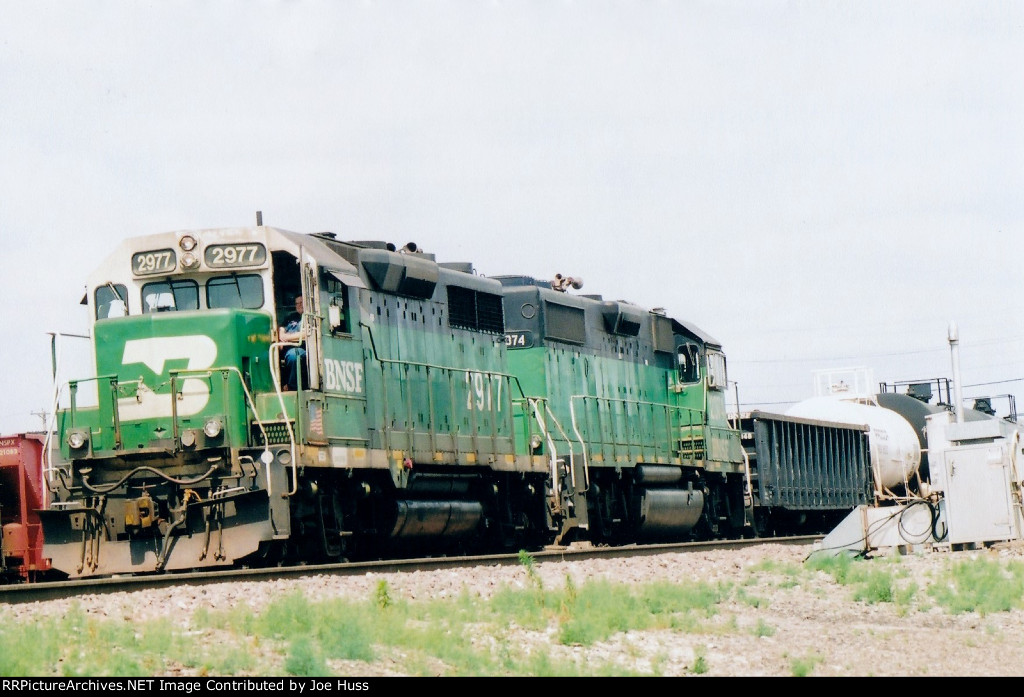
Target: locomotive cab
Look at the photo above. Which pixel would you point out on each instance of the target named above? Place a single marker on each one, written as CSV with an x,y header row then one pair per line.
x,y
188,434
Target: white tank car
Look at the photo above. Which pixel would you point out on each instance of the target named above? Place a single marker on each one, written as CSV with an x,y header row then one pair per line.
x,y
895,447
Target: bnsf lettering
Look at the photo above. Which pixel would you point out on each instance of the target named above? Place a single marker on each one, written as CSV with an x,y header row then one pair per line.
x,y
343,376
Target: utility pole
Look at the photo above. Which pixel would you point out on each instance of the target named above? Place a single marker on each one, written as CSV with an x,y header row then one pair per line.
x,y
42,415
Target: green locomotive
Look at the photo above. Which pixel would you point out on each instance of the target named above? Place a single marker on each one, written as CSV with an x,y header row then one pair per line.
x,y
439,411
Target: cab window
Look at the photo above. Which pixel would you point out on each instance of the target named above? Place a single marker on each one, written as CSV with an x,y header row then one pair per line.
x,y
716,370
687,363
244,291
111,300
170,296
335,299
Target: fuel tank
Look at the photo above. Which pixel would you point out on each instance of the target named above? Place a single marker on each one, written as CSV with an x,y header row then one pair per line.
x,y
894,444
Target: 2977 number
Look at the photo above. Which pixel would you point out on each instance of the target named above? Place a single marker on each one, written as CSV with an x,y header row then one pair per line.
x,y
222,255
157,261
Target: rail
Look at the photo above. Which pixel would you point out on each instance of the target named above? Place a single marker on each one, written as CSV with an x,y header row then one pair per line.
x,y
487,391
644,425
111,411
553,458
40,591
275,372
56,351
526,406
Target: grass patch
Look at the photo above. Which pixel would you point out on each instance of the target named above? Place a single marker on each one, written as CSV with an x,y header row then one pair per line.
x,y
465,635
980,585
871,580
803,666
754,601
461,636
700,661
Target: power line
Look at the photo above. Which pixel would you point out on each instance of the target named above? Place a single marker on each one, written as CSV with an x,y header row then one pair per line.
x,y
792,401
996,382
838,358
862,356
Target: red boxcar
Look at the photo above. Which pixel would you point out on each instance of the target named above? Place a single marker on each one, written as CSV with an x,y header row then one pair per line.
x,y
22,493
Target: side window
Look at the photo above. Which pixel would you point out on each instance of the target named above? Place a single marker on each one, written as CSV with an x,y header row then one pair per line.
x,y
111,300
170,296
235,291
335,299
287,284
688,366
716,370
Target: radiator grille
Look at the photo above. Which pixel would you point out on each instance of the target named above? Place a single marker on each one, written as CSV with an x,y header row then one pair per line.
x,y
277,433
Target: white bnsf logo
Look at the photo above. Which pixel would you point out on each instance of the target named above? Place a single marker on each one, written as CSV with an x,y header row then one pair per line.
x,y
200,352
343,376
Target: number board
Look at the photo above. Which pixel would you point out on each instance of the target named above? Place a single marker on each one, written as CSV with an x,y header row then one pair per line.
x,y
156,261
220,256
519,339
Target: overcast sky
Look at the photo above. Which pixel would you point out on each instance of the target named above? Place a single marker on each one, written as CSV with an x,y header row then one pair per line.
x,y
816,184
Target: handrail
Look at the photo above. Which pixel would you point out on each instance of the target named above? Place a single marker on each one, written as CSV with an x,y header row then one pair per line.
x,y
174,374
1015,481
495,403
695,419
747,477
572,458
51,423
556,489
376,356
583,445
250,400
275,373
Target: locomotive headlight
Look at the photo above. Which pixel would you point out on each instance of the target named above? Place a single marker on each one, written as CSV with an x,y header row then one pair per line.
x,y
189,260
212,428
76,439
534,441
188,438
187,243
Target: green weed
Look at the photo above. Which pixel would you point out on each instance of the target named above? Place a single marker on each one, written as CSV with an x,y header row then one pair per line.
x,y
700,661
804,666
980,585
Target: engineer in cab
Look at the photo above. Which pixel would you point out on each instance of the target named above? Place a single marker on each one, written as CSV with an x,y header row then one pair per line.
x,y
293,331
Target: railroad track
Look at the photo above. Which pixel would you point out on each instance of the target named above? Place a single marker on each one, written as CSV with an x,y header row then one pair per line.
x,y
53,590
